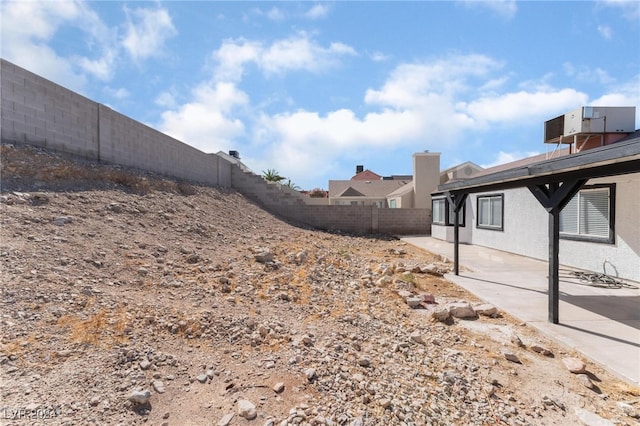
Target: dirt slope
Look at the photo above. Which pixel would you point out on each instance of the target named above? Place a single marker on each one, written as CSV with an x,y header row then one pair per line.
x,y
115,283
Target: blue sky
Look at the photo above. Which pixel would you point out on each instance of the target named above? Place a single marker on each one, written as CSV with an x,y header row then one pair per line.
x,y
313,89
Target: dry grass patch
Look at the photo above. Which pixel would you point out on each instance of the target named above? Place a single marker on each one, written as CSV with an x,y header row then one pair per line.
x,y
99,329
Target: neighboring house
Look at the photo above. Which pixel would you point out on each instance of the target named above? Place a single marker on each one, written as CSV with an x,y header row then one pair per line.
x,y
461,171
397,191
599,227
417,193
362,192
362,174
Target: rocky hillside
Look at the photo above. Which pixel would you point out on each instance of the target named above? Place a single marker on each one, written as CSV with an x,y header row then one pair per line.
x,y
129,298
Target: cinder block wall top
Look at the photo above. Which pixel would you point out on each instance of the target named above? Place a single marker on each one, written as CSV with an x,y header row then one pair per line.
x,y
37,111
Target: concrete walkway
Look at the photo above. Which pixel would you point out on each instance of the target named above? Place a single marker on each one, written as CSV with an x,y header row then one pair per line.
x,y
601,323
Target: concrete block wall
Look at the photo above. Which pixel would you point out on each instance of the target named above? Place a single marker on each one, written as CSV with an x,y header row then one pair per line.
x,y
356,219
276,198
368,219
404,221
127,142
39,112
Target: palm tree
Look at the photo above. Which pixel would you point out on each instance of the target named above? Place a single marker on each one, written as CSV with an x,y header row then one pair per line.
x,y
272,175
292,185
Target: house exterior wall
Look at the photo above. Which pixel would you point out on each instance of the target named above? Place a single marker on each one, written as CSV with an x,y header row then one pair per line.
x,y
360,201
524,225
404,201
465,232
623,257
525,230
426,177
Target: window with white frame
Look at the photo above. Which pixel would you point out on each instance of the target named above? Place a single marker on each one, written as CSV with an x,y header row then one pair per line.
x,y
392,203
589,215
490,211
438,211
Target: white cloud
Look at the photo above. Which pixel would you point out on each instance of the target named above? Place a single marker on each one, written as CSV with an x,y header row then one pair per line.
x,y
584,73
630,8
119,94
232,57
275,14
102,68
379,57
291,54
317,11
207,122
627,94
522,105
504,8
301,53
411,85
508,157
166,100
146,31
29,27
605,31
424,104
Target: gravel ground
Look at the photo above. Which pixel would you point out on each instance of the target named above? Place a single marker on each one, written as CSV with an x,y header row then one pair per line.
x,y
128,298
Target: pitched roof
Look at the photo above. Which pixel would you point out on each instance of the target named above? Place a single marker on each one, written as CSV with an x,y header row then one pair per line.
x,y
366,175
524,161
350,192
366,188
460,166
408,187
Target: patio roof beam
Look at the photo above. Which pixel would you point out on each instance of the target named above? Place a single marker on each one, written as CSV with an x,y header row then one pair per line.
x,y
457,201
553,197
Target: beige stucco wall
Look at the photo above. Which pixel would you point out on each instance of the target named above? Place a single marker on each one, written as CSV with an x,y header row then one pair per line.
x,y
426,177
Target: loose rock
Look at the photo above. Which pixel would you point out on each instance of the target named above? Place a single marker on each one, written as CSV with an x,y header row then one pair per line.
x,y
574,365
247,409
140,397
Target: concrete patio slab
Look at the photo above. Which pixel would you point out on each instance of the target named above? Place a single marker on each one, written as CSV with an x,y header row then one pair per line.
x,y
602,323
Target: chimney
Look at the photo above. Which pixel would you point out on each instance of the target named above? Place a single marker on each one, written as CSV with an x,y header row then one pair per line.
x,y
359,169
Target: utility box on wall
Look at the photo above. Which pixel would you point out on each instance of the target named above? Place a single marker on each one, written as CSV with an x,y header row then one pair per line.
x,y
600,120
590,120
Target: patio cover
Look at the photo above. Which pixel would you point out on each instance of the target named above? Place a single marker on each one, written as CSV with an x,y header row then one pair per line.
x,y
553,182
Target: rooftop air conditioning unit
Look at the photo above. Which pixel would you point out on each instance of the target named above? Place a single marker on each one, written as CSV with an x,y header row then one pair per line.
x,y
590,120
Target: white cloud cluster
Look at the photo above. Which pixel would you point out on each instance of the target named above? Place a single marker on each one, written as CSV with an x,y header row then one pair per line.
x,y
277,14
146,31
507,157
420,103
318,11
428,103
207,121
605,31
27,27
30,27
504,8
296,53
216,109
630,8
